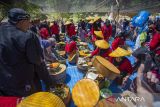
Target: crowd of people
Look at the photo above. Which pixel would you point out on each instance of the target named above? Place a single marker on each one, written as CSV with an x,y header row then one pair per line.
x,y
26,46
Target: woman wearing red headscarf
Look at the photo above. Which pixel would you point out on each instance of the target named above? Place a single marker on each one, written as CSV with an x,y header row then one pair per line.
x,y
71,50
71,30
107,30
155,41
55,30
119,40
44,33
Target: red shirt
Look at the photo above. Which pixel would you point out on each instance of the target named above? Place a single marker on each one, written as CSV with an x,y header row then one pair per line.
x,y
55,29
105,54
44,33
93,35
126,66
107,32
9,101
71,30
117,42
155,43
70,47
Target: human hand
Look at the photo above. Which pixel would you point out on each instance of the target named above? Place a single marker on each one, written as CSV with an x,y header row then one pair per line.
x,y
152,77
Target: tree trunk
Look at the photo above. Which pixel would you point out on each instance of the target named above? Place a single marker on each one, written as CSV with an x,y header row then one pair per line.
x,y
118,10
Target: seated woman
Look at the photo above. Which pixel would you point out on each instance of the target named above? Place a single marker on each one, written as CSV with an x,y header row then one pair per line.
x,y
102,49
122,63
71,50
119,40
44,33
47,50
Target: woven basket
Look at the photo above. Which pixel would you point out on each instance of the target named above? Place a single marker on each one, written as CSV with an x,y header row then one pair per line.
x,y
60,76
110,103
82,68
67,91
99,80
42,99
85,93
105,68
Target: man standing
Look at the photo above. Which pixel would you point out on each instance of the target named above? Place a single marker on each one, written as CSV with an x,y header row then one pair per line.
x,y
55,31
21,61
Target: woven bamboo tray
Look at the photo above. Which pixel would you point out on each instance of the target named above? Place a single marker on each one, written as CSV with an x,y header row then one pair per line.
x,y
42,99
66,89
85,93
105,68
105,103
59,77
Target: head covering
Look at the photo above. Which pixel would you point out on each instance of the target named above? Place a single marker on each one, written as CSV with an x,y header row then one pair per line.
x,y
91,21
17,14
119,52
70,47
89,18
99,34
42,99
96,19
67,23
102,44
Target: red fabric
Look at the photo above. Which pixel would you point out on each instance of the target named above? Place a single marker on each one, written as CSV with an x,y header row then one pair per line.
x,y
156,74
44,33
70,47
55,29
9,101
155,43
126,66
71,30
95,52
117,42
107,32
93,35
105,55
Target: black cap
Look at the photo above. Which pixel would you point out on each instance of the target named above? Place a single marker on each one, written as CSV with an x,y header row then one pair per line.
x,y
17,14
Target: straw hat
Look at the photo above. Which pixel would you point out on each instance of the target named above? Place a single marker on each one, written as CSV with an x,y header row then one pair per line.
x,y
91,21
102,44
96,18
99,34
119,52
42,99
89,18
67,23
85,93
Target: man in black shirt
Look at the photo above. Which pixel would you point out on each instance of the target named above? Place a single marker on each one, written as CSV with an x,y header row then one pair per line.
x,y
21,60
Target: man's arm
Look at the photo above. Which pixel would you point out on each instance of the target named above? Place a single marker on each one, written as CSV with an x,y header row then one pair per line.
x,y
34,56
